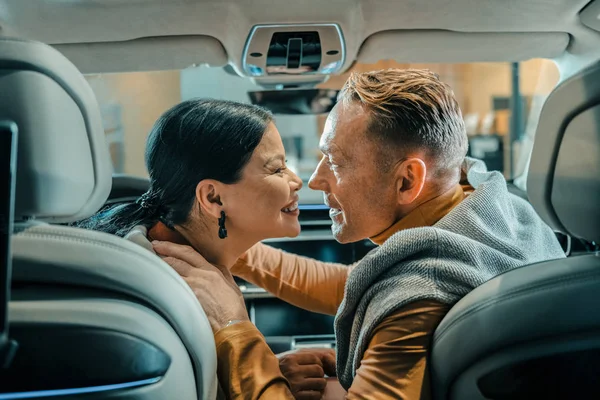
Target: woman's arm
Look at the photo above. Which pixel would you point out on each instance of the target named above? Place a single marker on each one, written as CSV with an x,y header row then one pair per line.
x,y
246,366
307,283
304,282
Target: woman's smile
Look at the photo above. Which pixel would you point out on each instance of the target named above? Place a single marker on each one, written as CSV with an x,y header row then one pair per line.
x,y
292,209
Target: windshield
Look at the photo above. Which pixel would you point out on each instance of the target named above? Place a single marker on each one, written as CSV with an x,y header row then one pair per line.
x,y
501,103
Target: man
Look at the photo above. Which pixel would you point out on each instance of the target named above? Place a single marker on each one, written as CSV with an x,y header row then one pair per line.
x,y
394,171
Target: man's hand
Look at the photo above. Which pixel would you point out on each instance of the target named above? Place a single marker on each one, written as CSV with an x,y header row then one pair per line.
x,y
214,286
305,370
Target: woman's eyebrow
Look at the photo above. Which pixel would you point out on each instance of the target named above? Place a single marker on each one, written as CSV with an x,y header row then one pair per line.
x,y
274,158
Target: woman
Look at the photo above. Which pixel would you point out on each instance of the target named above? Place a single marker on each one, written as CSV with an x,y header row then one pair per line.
x,y
218,182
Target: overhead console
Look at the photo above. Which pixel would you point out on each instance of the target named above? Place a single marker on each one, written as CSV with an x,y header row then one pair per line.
x,y
276,50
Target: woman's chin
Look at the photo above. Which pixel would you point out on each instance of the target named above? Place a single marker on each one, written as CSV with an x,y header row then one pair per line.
x,y
295,232
289,230
283,227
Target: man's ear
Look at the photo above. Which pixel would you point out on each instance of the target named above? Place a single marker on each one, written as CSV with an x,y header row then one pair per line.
x,y
410,179
209,198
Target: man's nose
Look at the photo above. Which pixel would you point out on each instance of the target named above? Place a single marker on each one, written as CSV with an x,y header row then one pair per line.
x,y
317,180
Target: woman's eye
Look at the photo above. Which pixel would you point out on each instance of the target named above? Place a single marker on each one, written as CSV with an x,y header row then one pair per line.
x,y
280,170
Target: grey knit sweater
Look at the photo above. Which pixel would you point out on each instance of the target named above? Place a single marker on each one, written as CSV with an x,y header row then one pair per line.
x,y
488,233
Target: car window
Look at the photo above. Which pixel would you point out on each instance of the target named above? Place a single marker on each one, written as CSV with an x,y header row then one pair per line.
x,y
131,102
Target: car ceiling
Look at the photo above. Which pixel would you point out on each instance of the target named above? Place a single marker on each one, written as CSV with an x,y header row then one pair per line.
x,y
128,35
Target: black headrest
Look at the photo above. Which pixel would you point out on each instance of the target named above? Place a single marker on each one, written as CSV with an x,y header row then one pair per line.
x,y
564,175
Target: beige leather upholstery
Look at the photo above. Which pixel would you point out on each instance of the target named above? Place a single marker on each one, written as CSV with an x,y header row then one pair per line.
x,y
64,170
78,278
68,257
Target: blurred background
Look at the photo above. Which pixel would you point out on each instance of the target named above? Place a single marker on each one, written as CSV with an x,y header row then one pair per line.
x,y
501,103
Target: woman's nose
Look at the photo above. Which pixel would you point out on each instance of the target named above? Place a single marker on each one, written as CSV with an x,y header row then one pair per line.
x,y
296,182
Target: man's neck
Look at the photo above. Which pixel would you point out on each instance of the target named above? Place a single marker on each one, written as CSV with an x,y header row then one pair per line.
x,y
430,192
426,213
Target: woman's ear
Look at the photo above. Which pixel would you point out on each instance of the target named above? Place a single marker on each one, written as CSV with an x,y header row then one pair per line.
x,y
209,198
410,179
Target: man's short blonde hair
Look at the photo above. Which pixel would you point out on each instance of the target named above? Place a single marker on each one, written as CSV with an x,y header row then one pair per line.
x,y
411,109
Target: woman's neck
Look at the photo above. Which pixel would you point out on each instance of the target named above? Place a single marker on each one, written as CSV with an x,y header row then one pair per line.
x,y
217,251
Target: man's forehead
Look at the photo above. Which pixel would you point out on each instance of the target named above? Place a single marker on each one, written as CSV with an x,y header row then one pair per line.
x,y
330,142
325,143
344,126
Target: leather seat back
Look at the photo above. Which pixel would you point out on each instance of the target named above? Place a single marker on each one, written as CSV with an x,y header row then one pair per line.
x,y
534,332
91,312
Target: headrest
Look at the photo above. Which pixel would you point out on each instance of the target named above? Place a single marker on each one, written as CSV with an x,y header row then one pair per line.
x,y
63,164
563,182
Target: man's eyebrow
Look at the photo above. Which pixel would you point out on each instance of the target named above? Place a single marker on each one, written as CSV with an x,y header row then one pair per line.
x,y
333,150
274,158
327,149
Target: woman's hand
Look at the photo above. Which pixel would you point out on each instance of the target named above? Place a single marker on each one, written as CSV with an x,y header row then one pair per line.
x,y
214,286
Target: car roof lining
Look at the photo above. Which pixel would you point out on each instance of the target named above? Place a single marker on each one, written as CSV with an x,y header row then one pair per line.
x,y
145,54
433,46
194,31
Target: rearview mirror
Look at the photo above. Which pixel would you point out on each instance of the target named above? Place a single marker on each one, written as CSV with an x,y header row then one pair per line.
x,y
295,101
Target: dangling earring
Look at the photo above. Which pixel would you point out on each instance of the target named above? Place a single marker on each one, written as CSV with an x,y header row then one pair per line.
x,y
222,229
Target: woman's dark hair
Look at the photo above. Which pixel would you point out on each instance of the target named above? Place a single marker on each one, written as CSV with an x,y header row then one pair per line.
x,y
195,140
